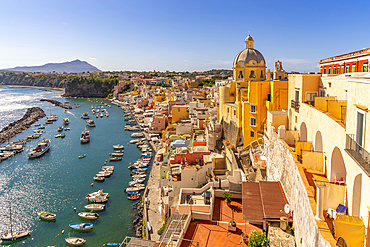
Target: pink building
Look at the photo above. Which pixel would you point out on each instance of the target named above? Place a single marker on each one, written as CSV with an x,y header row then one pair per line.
x,y
158,124
188,154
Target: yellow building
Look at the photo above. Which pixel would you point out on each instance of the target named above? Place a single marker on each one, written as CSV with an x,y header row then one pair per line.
x,y
179,111
252,93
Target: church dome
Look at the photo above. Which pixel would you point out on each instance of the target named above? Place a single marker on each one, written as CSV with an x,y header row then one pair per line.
x,y
249,54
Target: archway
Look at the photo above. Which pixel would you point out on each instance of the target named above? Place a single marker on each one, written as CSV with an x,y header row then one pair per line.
x,y
303,132
338,168
356,195
318,142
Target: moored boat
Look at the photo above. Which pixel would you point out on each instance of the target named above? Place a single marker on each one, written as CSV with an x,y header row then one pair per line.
x,y
75,241
88,215
85,115
8,237
95,207
117,154
115,159
91,123
65,121
100,199
46,216
133,197
82,156
85,136
118,146
42,147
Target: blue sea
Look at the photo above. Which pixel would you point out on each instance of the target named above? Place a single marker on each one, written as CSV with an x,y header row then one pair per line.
x,y
59,181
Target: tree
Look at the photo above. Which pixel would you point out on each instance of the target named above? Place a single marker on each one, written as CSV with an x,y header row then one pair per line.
x,y
258,239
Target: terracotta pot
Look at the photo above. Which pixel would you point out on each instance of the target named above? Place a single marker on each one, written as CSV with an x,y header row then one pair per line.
x,y
245,238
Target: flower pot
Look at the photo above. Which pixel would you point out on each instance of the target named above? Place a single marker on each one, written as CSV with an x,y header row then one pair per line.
x,y
228,203
245,238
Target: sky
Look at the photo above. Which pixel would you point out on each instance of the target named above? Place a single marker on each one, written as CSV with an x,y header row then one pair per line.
x,y
187,35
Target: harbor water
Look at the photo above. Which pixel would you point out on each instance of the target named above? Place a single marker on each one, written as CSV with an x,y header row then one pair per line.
x,y
59,181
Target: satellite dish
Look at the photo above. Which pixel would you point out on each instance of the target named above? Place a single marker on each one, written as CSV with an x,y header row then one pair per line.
x,y
287,208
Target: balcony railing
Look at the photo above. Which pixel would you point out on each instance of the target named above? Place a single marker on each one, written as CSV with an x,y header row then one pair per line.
x,y
294,104
358,153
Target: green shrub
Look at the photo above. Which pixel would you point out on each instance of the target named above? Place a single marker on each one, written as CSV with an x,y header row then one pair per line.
x,y
160,231
227,196
258,239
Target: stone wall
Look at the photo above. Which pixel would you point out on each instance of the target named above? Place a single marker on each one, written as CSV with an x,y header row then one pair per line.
x,y
231,132
281,167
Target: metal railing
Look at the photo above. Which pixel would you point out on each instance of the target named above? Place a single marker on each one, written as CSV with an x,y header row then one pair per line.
x,y
358,153
294,104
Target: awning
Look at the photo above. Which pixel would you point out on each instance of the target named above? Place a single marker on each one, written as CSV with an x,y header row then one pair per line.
x,y
350,228
161,151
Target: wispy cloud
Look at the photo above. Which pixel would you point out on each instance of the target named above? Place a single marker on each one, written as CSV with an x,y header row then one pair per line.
x,y
92,58
295,60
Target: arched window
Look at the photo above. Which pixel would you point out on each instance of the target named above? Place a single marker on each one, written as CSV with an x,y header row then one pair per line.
x,y
241,74
252,75
261,74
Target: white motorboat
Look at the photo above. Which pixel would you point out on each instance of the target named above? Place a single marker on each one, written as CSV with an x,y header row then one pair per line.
x,y
52,118
75,241
85,115
89,216
85,136
12,147
118,146
65,121
95,207
91,123
47,216
101,199
42,147
98,193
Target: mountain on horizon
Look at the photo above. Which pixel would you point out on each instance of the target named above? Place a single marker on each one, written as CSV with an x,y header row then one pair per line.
x,y
75,66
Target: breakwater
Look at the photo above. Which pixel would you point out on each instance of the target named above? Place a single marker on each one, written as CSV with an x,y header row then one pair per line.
x,y
57,103
32,115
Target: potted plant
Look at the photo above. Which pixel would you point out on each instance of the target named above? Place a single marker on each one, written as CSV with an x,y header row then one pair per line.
x,y
245,238
227,196
232,222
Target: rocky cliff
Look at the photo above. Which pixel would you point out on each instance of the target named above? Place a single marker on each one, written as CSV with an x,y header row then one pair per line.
x,y
23,79
88,87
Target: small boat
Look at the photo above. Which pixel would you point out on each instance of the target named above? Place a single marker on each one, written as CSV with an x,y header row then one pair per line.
x,y
82,156
34,136
107,114
133,197
85,136
8,237
95,207
42,127
81,226
58,135
97,115
115,159
118,146
37,125
46,216
85,115
62,135
42,147
91,123
77,106
129,189
119,151
60,129
112,244
99,178
65,121
101,114
117,154
100,199
105,173
67,128
98,193
75,241
88,216
52,118
133,192
140,170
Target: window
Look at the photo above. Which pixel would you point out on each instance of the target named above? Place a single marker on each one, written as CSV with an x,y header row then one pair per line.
x,y
338,70
324,70
334,70
347,69
296,95
178,109
310,96
354,68
253,122
234,112
261,74
228,110
364,68
321,92
252,75
240,75
360,127
329,70
252,133
253,108
342,70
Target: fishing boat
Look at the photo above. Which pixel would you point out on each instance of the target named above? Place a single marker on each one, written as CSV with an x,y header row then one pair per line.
x,y
97,115
37,124
58,135
34,136
112,244
133,192
129,189
118,146
133,197
12,147
91,123
101,114
117,154
8,237
42,147
82,156
105,173
140,170
95,207
139,176
46,216
60,129
115,159
52,118
85,115
99,178
88,215
65,121
63,135
75,241
98,193
100,199
81,226
85,136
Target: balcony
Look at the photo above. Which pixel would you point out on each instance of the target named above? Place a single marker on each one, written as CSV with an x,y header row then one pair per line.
x,y
358,153
294,104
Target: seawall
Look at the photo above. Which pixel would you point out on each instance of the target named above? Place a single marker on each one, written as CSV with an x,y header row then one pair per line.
x,y
32,115
57,103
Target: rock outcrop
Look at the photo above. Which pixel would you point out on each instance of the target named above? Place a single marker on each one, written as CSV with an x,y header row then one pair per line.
x,y
57,103
32,115
137,222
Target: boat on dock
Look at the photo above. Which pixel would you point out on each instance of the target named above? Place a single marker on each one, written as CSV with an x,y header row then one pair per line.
x,y
46,216
41,148
75,241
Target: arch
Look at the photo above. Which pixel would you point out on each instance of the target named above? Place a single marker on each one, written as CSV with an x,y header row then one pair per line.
x,y
356,195
338,171
318,142
303,132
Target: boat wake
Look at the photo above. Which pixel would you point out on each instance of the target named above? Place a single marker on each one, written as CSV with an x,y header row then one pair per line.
x,y
72,114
